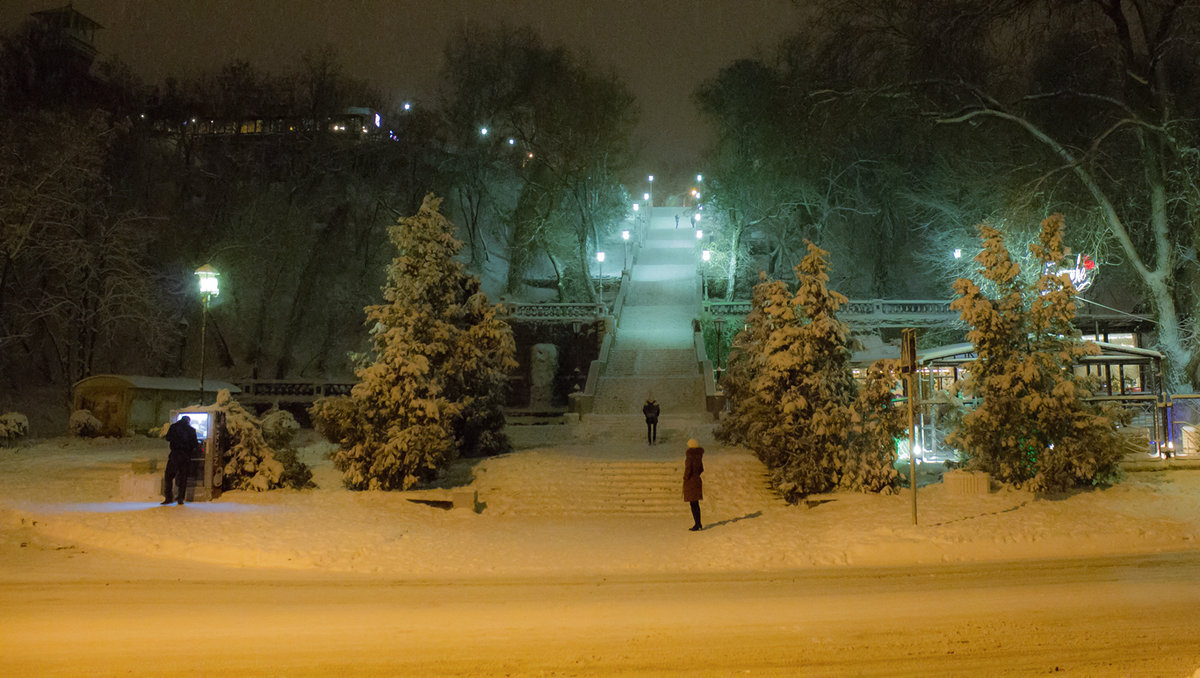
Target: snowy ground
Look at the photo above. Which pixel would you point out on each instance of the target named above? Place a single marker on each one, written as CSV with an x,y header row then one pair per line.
x,y
589,499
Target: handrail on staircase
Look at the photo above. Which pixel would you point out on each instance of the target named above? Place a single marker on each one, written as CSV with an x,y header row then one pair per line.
x,y
583,401
714,398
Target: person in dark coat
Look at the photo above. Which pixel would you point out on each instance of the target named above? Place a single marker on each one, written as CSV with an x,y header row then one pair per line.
x,y
651,410
182,438
693,485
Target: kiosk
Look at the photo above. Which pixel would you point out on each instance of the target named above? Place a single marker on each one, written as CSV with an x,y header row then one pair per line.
x,y
207,467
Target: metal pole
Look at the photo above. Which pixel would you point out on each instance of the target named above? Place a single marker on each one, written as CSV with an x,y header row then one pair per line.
x,y
912,444
203,331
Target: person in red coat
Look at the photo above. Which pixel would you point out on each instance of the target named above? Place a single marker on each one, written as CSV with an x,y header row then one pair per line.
x,y
693,486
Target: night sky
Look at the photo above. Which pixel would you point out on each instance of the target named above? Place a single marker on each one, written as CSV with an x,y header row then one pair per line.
x,y
662,48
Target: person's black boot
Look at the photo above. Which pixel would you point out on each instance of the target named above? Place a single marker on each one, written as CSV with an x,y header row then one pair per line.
x,y
165,501
695,528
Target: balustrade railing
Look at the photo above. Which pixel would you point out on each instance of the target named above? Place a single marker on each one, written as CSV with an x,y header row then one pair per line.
x,y
899,312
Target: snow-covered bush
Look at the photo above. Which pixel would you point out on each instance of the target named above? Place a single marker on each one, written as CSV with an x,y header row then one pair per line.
x,y
440,359
13,427
334,417
83,424
1033,427
279,429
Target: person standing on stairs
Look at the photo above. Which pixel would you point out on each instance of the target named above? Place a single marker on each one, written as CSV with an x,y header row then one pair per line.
x,y
651,410
693,485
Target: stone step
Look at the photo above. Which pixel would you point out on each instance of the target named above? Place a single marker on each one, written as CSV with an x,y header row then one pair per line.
x,y
625,395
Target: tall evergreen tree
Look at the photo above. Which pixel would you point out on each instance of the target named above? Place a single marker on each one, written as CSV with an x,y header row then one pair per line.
x,y
441,354
1033,426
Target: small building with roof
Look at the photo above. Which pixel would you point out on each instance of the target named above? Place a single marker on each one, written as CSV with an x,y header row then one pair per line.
x,y
127,403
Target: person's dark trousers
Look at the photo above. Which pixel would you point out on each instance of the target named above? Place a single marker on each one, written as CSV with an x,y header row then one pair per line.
x,y
177,471
651,432
696,514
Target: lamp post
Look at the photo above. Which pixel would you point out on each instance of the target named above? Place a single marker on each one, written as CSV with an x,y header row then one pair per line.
x,y
600,261
649,196
719,323
705,256
625,244
207,278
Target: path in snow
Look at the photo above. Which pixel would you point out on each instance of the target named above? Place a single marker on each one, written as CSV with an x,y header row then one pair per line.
x,y
653,349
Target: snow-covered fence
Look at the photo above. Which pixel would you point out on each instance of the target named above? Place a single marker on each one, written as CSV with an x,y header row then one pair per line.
x,y
284,391
869,312
572,311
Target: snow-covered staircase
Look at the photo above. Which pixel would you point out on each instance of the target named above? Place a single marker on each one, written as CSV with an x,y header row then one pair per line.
x,y
653,351
561,485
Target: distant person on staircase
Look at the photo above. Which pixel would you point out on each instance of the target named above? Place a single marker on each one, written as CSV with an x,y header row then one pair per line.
x,y
676,222
693,486
651,410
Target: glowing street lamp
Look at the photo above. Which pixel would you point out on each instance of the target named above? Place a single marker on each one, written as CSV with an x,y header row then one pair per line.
x,y
625,244
958,253
483,131
600,262
705,256
207,280
699,234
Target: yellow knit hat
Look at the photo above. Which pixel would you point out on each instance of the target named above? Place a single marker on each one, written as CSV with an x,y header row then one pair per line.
x,y
692,442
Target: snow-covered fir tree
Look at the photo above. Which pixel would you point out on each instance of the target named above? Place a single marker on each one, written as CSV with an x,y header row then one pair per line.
x,y
793,395
250,463
440,357
877,423
1033,426
748,412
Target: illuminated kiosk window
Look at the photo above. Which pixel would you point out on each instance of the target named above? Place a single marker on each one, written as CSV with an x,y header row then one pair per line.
x,y
201,421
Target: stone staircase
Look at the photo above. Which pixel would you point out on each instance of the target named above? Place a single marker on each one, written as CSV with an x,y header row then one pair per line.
x,y
734,483
653,351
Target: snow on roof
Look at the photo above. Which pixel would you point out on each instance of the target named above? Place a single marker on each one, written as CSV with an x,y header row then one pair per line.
x,y
1131,350
966,349
948,351
138,381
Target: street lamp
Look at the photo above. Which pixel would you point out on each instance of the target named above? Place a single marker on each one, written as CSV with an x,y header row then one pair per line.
x,y
625,243
719,322
600,261
958,253
207,278
651,180
699,234
705,256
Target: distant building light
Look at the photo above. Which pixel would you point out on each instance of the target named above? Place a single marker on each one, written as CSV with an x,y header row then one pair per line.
x,y
512,141
407,106
378,122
